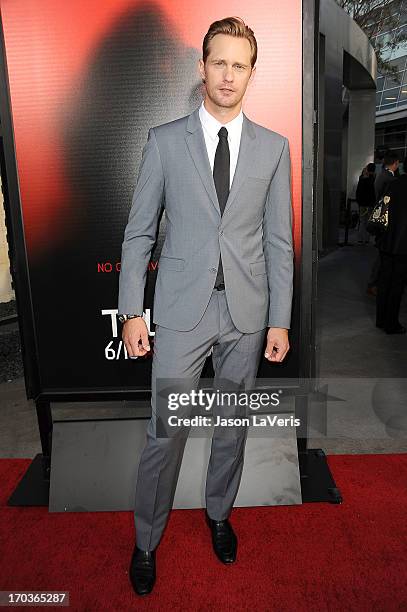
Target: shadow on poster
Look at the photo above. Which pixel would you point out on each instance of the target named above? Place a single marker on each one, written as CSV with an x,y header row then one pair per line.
x,y
85,84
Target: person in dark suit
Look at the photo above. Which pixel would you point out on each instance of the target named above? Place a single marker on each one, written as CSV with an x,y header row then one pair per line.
x,y
387,175
366,199
382,181
393,259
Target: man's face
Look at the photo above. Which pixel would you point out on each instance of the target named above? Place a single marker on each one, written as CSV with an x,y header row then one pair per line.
x,y
227,70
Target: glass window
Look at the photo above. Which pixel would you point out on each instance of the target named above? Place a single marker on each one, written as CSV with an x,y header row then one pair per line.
x,y
401,31
403,14
379,139
389,23
381,41
395,140
394,81
386,106
390,95
393,129
380,83
388,38
378,98
399,63
400,153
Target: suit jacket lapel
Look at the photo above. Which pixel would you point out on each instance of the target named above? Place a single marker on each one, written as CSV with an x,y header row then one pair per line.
x,y
197,148
245,159
196,144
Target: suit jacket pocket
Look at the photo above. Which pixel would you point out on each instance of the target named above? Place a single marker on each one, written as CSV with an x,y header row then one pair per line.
x,y
171,263
259,178
258,267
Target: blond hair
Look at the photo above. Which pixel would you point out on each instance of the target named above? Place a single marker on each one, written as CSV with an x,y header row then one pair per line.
x,y
232,26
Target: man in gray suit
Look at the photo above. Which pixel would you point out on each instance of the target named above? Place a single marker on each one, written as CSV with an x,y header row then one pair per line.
x,y
225,276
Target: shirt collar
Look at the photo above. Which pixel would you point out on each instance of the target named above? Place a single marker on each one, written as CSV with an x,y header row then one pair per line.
x,y
212,125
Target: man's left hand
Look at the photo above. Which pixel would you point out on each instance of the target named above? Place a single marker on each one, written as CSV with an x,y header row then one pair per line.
x,y
277,344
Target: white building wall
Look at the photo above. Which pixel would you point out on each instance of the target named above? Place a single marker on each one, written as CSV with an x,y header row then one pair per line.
x,y
361,136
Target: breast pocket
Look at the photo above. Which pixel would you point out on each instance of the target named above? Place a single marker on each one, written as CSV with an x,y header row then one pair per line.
x,y
259,178
259,182
171,263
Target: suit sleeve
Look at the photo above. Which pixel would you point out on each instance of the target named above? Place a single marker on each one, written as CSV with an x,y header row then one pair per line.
x,y
141,229
278,242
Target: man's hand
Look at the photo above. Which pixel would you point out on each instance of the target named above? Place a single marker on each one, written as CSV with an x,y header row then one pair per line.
x,y
135,337
277,344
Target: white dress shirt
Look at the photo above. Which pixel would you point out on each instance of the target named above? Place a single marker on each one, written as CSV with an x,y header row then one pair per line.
x,y
211,127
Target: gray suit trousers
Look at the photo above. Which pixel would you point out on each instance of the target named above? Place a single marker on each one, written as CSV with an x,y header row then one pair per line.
x,y
178,355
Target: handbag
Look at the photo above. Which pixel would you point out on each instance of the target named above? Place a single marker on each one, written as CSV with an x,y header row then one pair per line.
x,y
379,219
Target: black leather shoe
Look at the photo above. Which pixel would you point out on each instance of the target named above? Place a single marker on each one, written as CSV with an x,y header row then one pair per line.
x,y
224,539
142,571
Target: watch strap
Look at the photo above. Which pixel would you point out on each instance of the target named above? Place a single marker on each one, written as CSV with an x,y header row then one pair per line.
x,y
126,317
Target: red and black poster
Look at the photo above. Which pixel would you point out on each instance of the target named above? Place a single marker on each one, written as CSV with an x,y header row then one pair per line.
x,y
87,79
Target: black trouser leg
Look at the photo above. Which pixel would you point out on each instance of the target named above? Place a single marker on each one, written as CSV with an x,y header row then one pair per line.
x,y
383,288
395,292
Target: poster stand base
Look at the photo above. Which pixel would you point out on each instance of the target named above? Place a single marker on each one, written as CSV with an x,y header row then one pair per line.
x,y
33,488
317,483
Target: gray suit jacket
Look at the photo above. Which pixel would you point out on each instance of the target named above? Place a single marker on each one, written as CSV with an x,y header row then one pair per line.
x,y
254,234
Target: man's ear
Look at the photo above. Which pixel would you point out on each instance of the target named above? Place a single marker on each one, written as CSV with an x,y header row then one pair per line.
x,y
252,74
201,67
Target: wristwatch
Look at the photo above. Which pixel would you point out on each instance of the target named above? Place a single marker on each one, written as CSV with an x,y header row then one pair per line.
x,y
125,317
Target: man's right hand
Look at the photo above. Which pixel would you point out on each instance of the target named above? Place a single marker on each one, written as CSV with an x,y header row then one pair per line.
x,y
135,337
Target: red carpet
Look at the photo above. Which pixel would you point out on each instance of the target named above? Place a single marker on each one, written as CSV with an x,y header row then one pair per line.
x,y
318,557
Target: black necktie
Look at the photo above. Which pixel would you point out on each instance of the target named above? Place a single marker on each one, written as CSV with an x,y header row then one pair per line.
x,y
221,174
221,168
